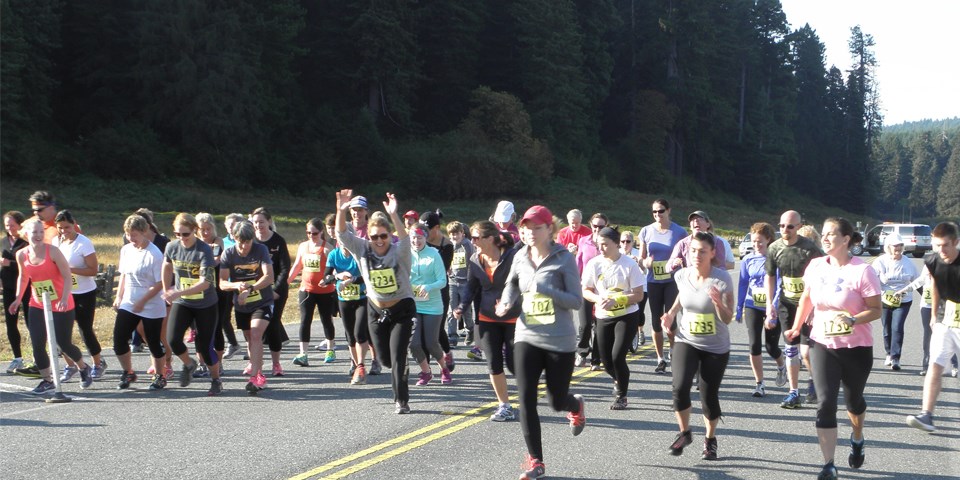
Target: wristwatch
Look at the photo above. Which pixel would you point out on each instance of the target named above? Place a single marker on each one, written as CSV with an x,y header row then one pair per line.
x,y
849,321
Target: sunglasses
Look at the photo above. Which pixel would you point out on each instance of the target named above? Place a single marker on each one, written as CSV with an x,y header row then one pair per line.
x,y
626,241
661,211
381,236
597,227
182,235
313,233
478,237
788,226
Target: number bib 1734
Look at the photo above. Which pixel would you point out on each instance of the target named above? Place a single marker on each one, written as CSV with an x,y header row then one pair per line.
x,y
759,295
384,280
951,314
891,299
186,283
350,292
792,287
701,324
538,309
834,326
40,286
660,270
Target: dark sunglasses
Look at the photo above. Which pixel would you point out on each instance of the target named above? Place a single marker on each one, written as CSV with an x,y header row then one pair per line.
x,y
626,241
313,233
182,235
381,236
788,226
597,227
661,211
478,237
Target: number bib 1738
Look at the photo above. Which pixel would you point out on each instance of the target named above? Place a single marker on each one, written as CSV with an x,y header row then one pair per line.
x,y
660,270
40,286
701,324
384,280
538,309
459,260
834,326
350,292
186,283
792,287
890,299
311,263
951,314
759,295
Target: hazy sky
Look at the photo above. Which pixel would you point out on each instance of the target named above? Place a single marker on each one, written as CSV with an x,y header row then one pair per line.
x,y
918,71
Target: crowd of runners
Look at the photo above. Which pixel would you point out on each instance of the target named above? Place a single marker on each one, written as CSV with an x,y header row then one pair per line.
x,y
528,297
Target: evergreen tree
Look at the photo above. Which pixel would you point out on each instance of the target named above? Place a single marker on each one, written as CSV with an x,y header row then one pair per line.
x,y
948,193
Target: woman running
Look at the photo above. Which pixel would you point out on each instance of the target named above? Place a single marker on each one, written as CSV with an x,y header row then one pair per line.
x,y
12,222
352,302
427,278
46,270
264,228
138,300
443,245
613,282
208,234
628,247
385,268
896,274
705,294
843,293
544,279
752,306
316,291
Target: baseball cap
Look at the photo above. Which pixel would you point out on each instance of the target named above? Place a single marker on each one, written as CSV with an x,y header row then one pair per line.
x,y
430,219
699,213
359,202
538,214
893,239
504,212
411,214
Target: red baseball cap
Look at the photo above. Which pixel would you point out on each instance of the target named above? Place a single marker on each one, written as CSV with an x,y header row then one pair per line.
x,y
537,214
411,214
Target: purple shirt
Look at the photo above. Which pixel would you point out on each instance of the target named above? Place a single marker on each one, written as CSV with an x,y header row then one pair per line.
x,y
586,250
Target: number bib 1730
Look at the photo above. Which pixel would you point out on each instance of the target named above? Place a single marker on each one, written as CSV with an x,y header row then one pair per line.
x,y
792,287
350,292
40,286
834,326
701,324
660,270
538,309
384,280
186,283
891,299
951,314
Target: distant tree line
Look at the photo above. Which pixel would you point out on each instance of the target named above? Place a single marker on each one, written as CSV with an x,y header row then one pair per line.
x,y
446,98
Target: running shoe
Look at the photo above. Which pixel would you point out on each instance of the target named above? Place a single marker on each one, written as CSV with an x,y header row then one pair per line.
x,y
475,354
448,359
619,403
953,373
376,368
159,381
792,400
829,472
683,439
887,362
151,370
504,413
138,348
667,355
44,387
445,377
402,408
301,360
635,343
661,367
353,368
469,339
781,376
186,373
923,372
251,388
580,361
759,392
533,468
453,340
168,372
855,460
359,376
924,422
896,365
216,388
30,371
578,420
68,373
231,351
596,367
126,379
643,337
277,370
811,393
246,356
202,372
99,370
86,377
709,448
323,345
330,357
259,380
14,365
248,369
425,378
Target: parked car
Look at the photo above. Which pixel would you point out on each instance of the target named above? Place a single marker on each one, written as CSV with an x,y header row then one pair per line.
x,y
746,245
916,238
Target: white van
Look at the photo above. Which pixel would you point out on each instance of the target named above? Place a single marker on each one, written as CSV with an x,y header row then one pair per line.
x,y
916,238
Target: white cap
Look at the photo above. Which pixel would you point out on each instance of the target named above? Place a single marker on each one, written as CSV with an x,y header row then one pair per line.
x,y
892,239
504,212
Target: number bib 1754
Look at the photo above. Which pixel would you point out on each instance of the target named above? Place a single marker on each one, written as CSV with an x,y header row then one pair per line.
x,y
538,309
384,280
792,287
660,270
40,286
701,324
834,326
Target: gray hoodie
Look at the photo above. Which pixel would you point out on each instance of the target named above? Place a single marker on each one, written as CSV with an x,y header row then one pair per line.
x,y
557,298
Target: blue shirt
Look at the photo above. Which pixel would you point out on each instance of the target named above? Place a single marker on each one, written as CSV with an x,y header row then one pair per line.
x,y
753,273
342,263
660,246
427,270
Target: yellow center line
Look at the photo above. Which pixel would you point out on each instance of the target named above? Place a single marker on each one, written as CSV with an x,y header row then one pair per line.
x,y
461,421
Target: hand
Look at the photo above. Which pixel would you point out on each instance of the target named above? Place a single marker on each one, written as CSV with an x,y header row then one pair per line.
x,y
647,262
501,309
771,323
391,204
666,320
242,296
792,333
170,295
116,303
771,312
457,313
343,198
715,296
677,263
14,306
607,304
571,248
6,263
138,306
63,302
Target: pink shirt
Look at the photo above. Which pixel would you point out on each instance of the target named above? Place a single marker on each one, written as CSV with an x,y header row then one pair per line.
x,y
840,289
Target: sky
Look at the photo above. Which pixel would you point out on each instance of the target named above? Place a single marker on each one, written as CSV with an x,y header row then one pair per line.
x,y
914,39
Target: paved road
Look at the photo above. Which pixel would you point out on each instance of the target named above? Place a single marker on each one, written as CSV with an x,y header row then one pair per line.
x,y
313,424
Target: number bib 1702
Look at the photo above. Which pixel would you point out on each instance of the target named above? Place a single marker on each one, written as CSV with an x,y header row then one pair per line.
x,y
660,270
459,260
350,292
792,287
186,283
701,324
891,299
384,280
834,326
951,314
40,286
759,295
538,309
311,263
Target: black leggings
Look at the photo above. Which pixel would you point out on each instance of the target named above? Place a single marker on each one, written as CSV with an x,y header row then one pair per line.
x,y
276,327
391,338
588,335
62,331
224,307
323,303
13,331
686,361
444,339
531,362
614,336
126,324
642,312
662,296
350,311
755,320
495,339
205,319
831,367
786,313
85,308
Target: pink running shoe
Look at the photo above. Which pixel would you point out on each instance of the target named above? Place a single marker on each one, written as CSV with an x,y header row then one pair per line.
x,y
445,377
151,370
168,372
425,378
277,370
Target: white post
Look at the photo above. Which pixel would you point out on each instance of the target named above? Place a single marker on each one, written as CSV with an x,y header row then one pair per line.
x,y
58,396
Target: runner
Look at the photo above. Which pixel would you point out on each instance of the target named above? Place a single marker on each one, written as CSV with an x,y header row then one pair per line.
x,y
614,283
924,285
410,219
544,278
705,293
386,269
787,258
352,300
457,280
587,249
628,247
896,274
570,236
207,233
44,207
45,269
843,293
228,223
680,257
12,222
443,245
160,241
317,292
944,268
656,244
504,218
138,300
359,215
265,231
427,277
752,304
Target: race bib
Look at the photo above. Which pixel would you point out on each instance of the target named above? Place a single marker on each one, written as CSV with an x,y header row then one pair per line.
x,y
254,295
759,295
620,307
311,263
459,260
186,283
384,280
891,299
75,284
350,292
834,326
928,296
951,314
660,270
792,287
701,324
538,309
40,286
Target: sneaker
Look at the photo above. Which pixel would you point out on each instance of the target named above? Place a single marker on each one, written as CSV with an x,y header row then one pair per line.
x,y
159,381
301,360
186,373
99,370
151,370
44,387
953,373
246,356
202,372
168,372
533,468
359,376
683,439
580,361
896,365
277,370
635,343
248,369
709,448
14,365
137,348
126,379
792,400
643,338
216,388
402,408
445,377
425,378
829,472
596,367
475,354
855,460
453,340
30,371
323,345
924,422
923,372
68,373
619,403
781,376
259,380
578,420
376,368
504,413
661,367
759,392
231,351
330,357
353,368
448,359
811,394
86,377
888,361
667,356
469,339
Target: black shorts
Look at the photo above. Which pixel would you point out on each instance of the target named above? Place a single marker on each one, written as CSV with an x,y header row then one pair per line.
x,y
244,319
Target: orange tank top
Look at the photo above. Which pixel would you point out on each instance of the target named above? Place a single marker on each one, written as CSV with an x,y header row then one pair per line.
x,y
45,278
314,264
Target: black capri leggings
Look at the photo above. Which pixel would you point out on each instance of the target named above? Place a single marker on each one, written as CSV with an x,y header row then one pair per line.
x,y
85,308
531,362
686,361
323,303
831,367
390,331
13,330
495,339
614,336
224,307
62,330
662,296
205,319
126,324
643,308
757,334
350,312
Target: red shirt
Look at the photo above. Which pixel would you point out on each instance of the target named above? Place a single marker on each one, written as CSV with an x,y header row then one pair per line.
x,y
567,235
44,277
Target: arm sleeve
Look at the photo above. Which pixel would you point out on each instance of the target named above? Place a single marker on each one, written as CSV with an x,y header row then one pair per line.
x,y
472,285
742,286
438,274
282,266
511,290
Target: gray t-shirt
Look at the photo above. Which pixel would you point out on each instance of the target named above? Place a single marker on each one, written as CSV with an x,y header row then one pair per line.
x,y
387,277
190,265
249,269
699,325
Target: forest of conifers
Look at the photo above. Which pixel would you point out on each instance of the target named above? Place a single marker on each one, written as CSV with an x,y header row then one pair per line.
x,y
455,99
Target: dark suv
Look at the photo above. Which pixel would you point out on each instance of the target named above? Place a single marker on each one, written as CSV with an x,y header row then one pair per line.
x,y
916,238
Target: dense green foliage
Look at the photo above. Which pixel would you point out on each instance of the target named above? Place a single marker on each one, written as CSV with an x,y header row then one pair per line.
x,y
917,170
440,98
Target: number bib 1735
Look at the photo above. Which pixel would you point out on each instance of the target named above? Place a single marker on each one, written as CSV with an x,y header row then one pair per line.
x,y
891,299
620,307
186,283
701,324
660,270
40,286
384,280
538,309
834,326
792,287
